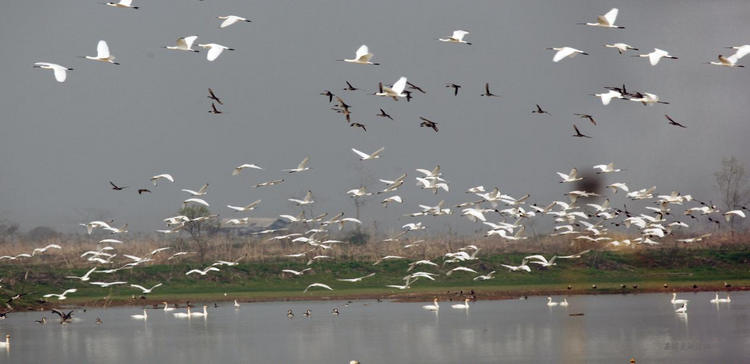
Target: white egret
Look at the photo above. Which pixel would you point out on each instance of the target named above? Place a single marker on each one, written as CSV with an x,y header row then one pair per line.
x,y
457,37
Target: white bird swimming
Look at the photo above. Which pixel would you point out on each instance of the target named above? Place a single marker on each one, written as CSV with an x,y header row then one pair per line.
x,y
730,61
214,50
123,4
568,178
563,52
183,314
676,301
550,302
682,309
564,302
202,272
655,56
393,92
140,317
42,250
433,307
606,21
165,176
465,305
306,201
726,300
362,56
621,47
61,72
201,314
102,54
167,308
301,167
85,277
249,207
61,296
317,285
184,44
239,169
236,304
145,291
230,19
6,343
200,192
457,37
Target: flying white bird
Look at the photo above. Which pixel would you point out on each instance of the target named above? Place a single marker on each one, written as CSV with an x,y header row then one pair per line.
x,y
728,215
145,291
214,50
364,156
606,21
239,169
489,276
391,199
362,57
606,168
301,167
123,4
306,201
317,285
741,50
563,52
202,272
463,269
572,177
655,56
61,72
230,19
42,250
61,296
102,54
393,92
621,47
162,176
249,207
196,200
184,44
85,277
730,61
200,192
607,98
107,284
457,37
296,273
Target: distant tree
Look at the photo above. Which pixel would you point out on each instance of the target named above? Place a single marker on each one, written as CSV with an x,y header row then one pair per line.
x,y
734,184
200,231
364,180
41,233
8,229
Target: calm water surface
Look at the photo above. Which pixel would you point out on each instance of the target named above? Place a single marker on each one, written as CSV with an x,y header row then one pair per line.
x,y
614,329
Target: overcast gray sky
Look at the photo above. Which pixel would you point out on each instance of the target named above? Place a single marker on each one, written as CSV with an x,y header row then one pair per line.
x,y
60,143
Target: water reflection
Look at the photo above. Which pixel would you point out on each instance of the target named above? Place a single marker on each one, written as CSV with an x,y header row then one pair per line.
x,y
519,331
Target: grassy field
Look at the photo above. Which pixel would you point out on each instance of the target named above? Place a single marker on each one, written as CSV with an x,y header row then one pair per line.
x,y
648,269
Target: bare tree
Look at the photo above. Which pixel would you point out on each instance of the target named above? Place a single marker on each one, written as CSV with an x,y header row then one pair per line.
x,y
200,230
734,184
365,180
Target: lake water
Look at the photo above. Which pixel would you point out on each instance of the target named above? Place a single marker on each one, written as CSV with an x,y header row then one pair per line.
x,y
614,329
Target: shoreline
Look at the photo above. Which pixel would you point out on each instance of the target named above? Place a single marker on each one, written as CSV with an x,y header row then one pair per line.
x,y
452,294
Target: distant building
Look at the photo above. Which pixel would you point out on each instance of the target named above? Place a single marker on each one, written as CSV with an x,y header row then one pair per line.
x,y
253,226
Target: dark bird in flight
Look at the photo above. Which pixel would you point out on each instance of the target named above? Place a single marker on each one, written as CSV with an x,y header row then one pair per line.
x,y
116,188
587,116
672,122
16,297
142,190
350,87
415,87
358,125
212,96
346,113
408,96
64,317
342,104
428,124
540,111
214,111
578,133
384,115
329,94
455,88
487,91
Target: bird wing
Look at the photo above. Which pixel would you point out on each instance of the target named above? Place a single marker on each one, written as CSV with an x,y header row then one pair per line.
x,y
89,273
214,53
187,42
203,189
377,152
139,287
399,86
562,54
609,18
459,34
61,73
361,154
229,21
102,50
362,52
303,163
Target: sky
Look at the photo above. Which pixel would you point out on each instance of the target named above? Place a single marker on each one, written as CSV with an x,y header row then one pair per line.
x,y
61,143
